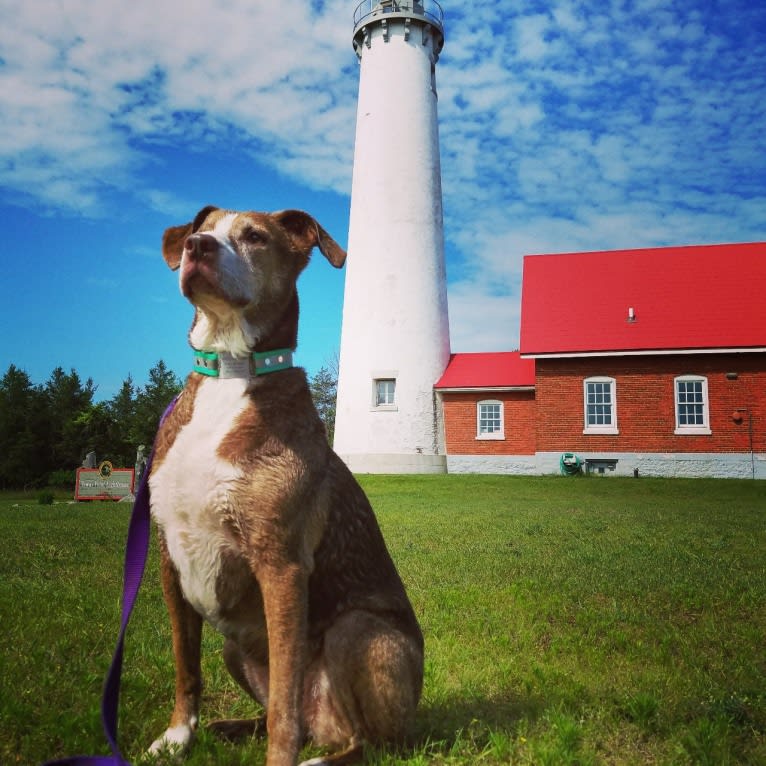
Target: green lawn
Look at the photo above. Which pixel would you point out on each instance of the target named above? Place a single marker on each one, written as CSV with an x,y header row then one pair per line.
x,y
567,621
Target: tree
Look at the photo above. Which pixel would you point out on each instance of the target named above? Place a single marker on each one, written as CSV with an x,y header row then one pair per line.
x,y
151,402
94,427
23,430
122,413
68,399
324,392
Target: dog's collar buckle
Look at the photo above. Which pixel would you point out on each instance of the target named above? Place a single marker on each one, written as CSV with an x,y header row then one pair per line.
x,y
221,364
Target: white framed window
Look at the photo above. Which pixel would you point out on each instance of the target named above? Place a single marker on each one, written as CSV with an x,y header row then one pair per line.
x,y
600,405
691,403
384,394
489,420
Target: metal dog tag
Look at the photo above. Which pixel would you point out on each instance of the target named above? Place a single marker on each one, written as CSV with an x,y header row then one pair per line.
x,y
234,367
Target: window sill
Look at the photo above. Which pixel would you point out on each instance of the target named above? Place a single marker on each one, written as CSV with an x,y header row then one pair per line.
x,y
701,431
490,437
606,430
385,408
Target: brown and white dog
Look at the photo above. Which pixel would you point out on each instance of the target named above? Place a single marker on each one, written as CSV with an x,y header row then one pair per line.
x,y
264,533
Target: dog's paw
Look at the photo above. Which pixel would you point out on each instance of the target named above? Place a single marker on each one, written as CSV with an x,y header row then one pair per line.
x,y
175,741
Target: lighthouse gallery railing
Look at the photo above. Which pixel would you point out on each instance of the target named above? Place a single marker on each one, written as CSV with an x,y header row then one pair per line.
x,y
429,9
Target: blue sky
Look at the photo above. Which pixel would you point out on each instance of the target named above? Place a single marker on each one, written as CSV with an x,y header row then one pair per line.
x,y
564,126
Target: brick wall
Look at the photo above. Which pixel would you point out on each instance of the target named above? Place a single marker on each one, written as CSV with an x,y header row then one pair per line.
x,y
518,421
645,403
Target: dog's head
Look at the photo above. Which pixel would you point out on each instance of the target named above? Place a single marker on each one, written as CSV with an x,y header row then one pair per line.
x,y
239,271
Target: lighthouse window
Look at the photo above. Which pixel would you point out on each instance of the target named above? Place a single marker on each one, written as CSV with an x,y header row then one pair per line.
x,y
385,391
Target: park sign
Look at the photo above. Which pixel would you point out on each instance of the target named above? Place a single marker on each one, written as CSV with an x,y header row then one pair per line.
x,y
104,482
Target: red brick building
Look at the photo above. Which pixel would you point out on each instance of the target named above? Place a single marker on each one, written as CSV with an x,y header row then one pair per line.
x,y
649,361
489,412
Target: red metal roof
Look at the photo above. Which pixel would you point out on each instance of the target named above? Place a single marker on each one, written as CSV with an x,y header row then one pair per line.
x,y
683,298
505,369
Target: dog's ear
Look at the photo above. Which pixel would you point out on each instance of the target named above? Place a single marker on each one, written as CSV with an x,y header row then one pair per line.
x,y
306,233
173,239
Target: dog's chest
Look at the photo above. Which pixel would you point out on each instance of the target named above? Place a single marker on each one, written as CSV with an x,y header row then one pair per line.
x,y
192,492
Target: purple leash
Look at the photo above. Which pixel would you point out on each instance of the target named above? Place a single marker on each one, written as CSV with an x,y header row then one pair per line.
x,y
136,552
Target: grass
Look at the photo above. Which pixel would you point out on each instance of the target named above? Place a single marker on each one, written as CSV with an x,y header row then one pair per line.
x,y
567,621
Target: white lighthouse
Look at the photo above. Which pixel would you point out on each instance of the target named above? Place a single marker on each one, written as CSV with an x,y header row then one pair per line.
x,y
395,336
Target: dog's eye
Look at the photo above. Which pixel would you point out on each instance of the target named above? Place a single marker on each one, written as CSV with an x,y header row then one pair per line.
x,y
254,237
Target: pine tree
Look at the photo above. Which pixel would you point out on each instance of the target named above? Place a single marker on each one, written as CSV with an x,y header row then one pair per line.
x,y
324,392
24,457
151,402
122,413
68,400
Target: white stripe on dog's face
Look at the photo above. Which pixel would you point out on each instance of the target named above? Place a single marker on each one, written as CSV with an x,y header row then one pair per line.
x,y
222,229
234,272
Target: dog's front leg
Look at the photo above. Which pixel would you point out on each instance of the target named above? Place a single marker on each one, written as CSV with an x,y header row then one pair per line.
x,y
285,601
186,626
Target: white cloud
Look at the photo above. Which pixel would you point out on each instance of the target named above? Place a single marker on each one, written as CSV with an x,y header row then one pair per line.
x,y
532,37
82,88
496,329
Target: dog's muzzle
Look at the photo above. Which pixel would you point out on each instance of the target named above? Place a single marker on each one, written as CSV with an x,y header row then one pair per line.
x,y
200,246
199,265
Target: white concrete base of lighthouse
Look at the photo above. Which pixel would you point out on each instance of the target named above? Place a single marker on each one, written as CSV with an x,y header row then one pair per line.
x,y
395,463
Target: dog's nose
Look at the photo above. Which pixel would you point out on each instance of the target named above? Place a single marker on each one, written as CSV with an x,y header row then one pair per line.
x,y
199,246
